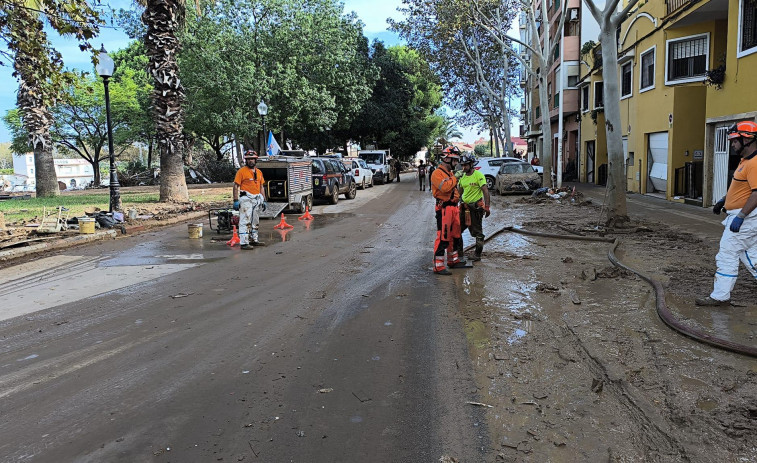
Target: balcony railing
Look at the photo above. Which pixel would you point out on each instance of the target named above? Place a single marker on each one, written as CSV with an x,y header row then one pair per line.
x,y
673,5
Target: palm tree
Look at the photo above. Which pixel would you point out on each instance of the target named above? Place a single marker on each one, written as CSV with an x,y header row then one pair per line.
x,y
38,68
163,19
449,131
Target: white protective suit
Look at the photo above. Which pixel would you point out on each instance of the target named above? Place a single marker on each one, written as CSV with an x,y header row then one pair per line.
x,y
734,247
249,217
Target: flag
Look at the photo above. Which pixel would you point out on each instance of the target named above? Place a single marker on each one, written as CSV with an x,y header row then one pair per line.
x,y
272,148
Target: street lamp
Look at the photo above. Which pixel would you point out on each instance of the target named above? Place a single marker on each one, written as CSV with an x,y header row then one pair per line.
x,y
263,111
104,69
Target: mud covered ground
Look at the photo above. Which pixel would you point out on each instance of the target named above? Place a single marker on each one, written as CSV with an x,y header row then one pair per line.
x,y
575,362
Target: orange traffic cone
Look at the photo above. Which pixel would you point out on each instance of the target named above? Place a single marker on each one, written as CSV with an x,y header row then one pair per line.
x,y
306,215
234,238
283,224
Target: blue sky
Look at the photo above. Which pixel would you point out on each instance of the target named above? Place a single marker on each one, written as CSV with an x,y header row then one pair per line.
x,y
374,14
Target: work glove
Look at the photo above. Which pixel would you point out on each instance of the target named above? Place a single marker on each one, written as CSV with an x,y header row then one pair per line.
x,y
236,205
487,211
718,207
736,223
458,174
264,206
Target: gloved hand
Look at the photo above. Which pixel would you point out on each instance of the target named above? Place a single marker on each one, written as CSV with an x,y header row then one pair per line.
x,y
458,174
487,211
718,207
264,206
736,223
236,205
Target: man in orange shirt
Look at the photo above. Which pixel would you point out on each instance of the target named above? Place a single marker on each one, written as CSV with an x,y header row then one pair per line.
x,y
249,196
739,241
448,234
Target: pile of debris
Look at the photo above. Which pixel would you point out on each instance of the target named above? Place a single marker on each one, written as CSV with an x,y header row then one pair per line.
x,y
568,194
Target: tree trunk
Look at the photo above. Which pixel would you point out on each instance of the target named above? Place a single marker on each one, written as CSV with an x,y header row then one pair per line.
x,y
96,169
546,132
162,20
37,121
149,155
616,178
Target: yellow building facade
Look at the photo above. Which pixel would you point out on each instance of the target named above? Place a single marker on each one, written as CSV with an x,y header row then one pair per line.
x,y
686,68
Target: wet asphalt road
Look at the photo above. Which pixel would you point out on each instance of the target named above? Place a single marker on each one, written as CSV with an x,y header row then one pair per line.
x,y
335,343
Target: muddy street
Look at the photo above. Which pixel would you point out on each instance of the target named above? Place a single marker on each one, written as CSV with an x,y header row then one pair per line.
x,y
336,343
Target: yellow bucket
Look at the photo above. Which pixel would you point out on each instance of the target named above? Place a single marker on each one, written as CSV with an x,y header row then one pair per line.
x,y
195,230
86,225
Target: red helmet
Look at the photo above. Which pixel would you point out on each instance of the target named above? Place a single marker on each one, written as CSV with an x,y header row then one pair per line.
x,y
451,152
746,129
250,154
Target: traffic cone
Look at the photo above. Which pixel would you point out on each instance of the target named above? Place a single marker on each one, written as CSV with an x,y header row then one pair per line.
x,y
306,215
234,238
283,224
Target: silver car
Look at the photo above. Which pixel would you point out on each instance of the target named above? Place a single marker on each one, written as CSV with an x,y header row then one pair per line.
x,y
517,177
490,166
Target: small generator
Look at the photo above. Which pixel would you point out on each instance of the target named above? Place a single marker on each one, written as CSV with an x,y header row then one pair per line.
x,y
225,219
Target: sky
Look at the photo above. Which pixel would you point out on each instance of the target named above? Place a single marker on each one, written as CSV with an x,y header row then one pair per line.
x,y
373,13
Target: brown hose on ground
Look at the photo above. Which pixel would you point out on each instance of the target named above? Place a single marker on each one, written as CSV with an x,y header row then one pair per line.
x,y
662,309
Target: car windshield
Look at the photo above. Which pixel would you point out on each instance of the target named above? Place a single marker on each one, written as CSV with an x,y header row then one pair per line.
x,y
318,168
372,158
519,168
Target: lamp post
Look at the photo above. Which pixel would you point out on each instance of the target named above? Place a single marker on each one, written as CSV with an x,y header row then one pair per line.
x,y
263,111
104,69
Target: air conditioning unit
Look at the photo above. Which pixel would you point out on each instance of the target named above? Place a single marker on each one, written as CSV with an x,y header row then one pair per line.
x,y
574,14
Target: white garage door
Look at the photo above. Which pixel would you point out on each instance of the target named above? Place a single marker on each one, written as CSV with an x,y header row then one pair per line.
x,y
658,159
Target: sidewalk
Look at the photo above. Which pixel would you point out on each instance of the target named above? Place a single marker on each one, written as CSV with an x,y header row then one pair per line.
x,y
699,221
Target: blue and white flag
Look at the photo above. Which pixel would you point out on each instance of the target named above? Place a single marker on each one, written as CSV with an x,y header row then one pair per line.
x,y
272,148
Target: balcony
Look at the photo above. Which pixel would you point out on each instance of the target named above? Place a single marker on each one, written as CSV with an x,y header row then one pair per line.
x,y
674,5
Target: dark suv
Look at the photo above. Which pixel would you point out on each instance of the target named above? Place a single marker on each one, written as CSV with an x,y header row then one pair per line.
x,y
331,178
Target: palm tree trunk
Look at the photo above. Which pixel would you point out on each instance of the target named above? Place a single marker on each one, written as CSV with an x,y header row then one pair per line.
x,y
162,18
35,113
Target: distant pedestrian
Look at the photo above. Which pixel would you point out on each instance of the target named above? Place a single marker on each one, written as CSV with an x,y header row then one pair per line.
x,y
397,168
422,175
474,204
249,197
535,161
431,168
739,240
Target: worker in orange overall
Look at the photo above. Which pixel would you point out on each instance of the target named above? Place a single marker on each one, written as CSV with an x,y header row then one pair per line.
x,y
448,233
249,198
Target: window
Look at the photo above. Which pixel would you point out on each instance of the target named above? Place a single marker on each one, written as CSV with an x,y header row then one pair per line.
x,y
646,70
599,95
688,58
572,81
625,80
747,27
585,98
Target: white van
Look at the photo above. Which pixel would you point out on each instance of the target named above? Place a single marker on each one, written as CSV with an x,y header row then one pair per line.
x,y
378,161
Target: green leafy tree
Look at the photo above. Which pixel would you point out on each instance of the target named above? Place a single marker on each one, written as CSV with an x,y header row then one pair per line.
x,y
400,113
39,68
80,121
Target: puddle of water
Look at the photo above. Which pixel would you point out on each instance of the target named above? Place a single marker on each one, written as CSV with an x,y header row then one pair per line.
x,y
707,405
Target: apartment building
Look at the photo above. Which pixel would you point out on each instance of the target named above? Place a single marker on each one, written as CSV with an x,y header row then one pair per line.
x,y
685,67
563,75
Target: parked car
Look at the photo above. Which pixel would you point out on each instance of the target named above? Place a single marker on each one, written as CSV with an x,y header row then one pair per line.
x,y
331,178
360,171
378,161
490,166
516,177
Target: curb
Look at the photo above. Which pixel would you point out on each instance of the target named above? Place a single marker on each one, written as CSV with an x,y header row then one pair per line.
x,y
11,254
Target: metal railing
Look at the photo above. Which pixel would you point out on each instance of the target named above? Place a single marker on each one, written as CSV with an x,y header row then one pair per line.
x,y
673,5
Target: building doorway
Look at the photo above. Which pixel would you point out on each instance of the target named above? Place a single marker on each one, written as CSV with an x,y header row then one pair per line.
x,y
590,161
657,162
